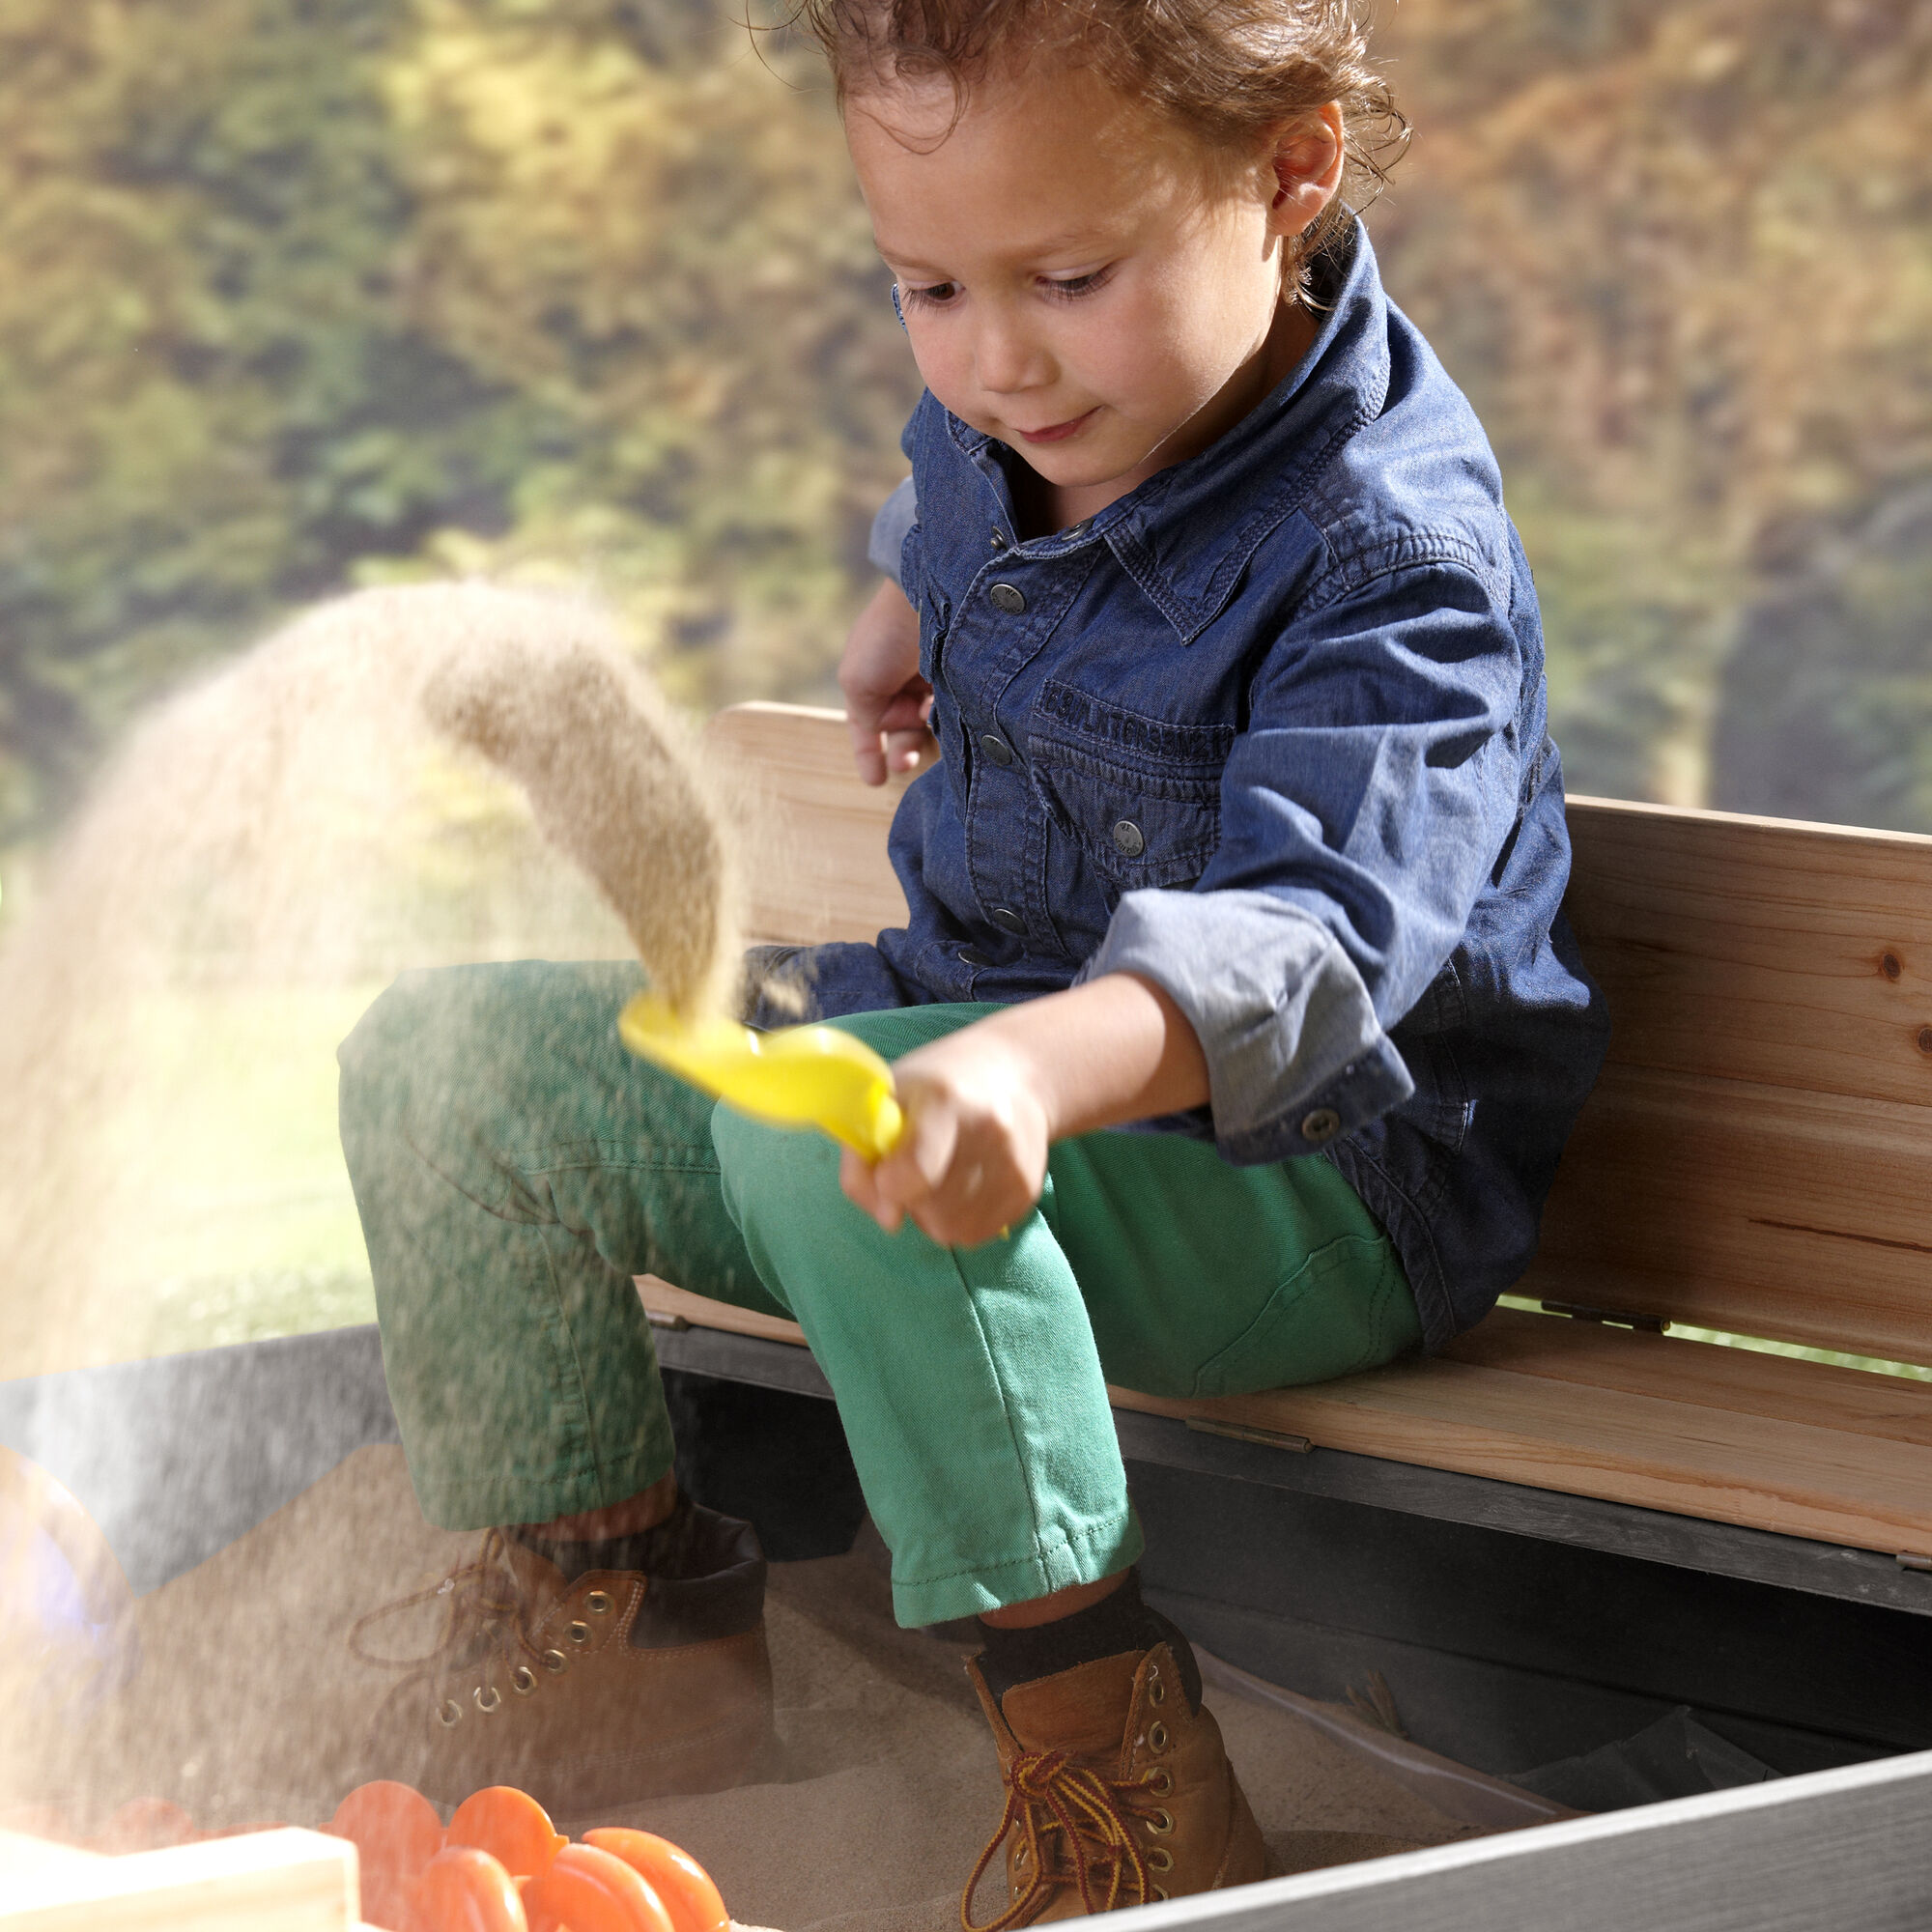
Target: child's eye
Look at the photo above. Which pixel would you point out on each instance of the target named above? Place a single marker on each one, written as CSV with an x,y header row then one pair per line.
x,y
1072,286
935,294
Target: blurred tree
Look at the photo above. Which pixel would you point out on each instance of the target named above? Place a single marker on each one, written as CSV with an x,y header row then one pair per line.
x,y
211,401
1680,251
1827,701
292,287
656,233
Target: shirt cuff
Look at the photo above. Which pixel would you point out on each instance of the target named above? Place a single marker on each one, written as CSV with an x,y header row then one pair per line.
x,y
897,514
1295,1055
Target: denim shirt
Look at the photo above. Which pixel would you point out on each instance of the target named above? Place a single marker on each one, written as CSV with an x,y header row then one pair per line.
x,y
1268,731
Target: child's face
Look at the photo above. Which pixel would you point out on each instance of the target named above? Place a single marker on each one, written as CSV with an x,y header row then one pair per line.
x,y
1081,280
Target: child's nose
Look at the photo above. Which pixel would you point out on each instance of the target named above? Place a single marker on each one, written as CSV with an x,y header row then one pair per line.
x,y
1007,357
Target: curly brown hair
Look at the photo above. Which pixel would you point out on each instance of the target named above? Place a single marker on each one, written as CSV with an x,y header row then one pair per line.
x,y
1226,69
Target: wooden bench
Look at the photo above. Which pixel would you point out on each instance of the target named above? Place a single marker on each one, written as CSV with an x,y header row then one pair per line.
x,y
1756,1160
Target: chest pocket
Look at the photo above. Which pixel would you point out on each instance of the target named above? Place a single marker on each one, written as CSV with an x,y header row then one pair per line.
x,y
1139,797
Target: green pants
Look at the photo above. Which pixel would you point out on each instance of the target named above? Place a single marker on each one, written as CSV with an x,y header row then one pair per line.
x,y
515,1167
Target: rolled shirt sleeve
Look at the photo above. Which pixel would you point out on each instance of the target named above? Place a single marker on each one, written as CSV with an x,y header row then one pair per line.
x,y
1362,809
896,515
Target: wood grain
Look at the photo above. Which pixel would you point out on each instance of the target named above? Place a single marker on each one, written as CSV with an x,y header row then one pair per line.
x,y
1804,1217
819,869
1762,1440
1758,950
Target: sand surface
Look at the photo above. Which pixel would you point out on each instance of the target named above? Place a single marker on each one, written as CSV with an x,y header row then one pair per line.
x,y
248,1705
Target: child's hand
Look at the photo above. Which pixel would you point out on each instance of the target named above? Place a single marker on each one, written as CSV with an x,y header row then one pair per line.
x,y
983,1104
971,1159
885,697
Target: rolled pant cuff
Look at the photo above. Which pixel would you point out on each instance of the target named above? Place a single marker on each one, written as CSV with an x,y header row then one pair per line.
x,y
1102,1549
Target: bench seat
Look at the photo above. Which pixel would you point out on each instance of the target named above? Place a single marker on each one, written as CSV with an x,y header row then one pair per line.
x,y
1757,1160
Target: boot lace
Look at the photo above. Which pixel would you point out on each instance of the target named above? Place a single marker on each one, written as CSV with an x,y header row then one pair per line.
x,y
484,1623
1050,1796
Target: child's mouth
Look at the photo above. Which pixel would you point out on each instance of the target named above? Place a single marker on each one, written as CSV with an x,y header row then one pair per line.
x,y
1059,432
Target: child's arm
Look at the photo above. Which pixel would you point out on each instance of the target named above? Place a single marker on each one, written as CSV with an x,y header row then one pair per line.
x,y
885,697
984,1104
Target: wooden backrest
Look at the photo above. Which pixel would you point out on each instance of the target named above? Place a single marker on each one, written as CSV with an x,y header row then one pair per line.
x,y
1758,1155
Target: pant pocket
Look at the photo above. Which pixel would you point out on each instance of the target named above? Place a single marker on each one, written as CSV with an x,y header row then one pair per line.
x,y
1348,1307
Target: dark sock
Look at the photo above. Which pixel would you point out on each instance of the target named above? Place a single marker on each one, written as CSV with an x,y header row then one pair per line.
x,y
669,1550
1119,1622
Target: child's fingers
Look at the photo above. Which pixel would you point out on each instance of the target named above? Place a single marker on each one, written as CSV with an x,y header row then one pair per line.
x,y
861,1186
865,753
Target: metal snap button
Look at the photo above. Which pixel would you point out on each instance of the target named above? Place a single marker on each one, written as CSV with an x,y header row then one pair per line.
x,y
1130,839
1008,598
999,539
1078,529
997,748
1321,1123
1007,920
967,957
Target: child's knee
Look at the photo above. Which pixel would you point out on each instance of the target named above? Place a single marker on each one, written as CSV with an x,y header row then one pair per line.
x,y
773,1171
427,1047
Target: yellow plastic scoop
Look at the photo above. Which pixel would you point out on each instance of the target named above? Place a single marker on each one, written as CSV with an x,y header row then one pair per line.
x,y
808,1076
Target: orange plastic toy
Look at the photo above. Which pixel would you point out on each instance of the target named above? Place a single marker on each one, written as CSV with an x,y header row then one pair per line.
x,y
511,1826
463,1889
670,1871
589,1890
396,1832
502,1867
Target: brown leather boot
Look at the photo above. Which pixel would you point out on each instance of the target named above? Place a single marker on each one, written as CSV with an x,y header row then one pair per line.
x,y
1117,1794
606,1690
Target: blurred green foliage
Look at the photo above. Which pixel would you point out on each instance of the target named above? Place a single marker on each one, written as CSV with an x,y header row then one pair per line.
x,y
296,293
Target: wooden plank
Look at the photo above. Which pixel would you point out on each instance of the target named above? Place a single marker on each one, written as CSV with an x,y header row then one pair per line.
x,y
1888,1407
1684,1457
282,1881
1715,1433
1760,949
819,868
1831,1848
674,1304
1807,1218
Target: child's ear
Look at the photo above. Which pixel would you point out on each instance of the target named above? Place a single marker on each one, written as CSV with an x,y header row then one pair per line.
x,y
1308,160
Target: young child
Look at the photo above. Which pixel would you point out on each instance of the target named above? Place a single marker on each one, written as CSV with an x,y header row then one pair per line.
x,y
1247,834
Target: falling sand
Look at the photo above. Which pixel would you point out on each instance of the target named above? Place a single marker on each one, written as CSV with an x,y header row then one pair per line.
x,y
248,833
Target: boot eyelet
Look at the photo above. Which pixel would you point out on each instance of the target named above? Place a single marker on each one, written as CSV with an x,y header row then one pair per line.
x,y
488,1698
523,1680
1157,1737
1160,1860
556,1662
1156,1691
1160,1894
1160,1822
1019,1857
1161,1784
449,1713
579,1634
598,1602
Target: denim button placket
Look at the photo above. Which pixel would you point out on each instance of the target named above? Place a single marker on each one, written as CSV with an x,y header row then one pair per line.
x,y
1007,597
